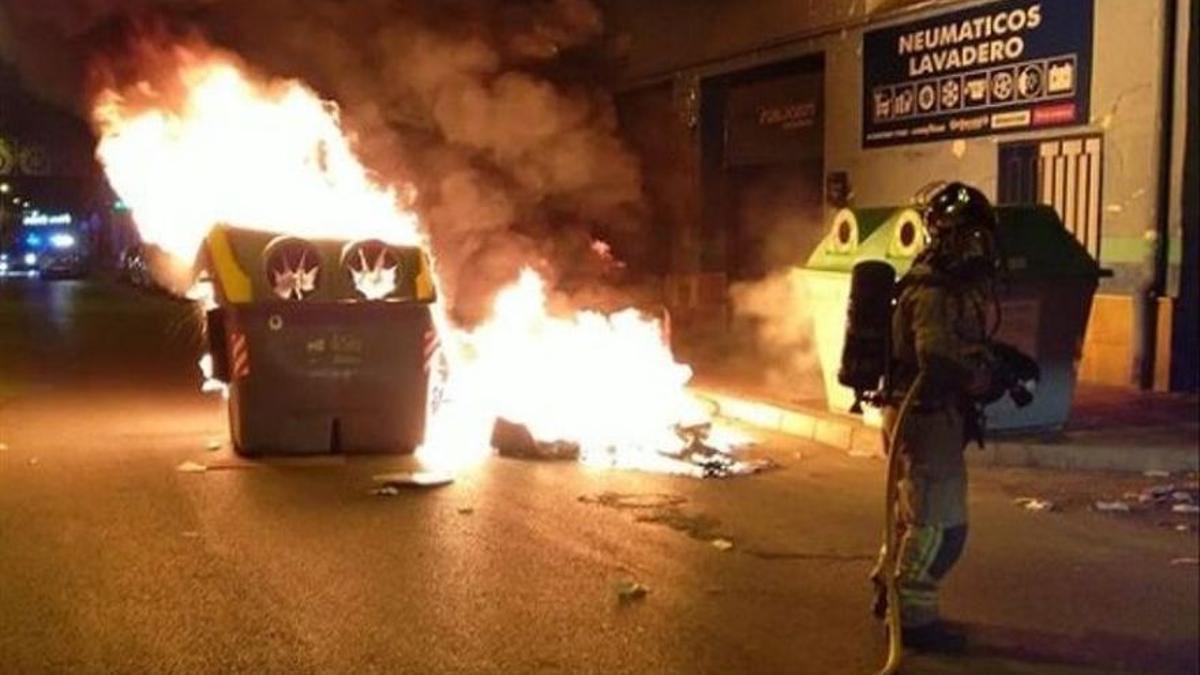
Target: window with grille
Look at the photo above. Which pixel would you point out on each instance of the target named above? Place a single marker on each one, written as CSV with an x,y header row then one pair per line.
x,y
1063,173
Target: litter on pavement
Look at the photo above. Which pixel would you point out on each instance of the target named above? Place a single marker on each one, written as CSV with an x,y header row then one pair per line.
x,y
1116,507
628,591
722,544
412,479
1034,504
1156,473
1185,561
191,467
213,445
1170,495
1185,508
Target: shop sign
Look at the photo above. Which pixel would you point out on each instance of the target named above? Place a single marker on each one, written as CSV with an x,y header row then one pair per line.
x,y
997,68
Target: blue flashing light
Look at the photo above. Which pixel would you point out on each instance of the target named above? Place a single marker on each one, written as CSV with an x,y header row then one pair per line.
x,y
61,240
33,240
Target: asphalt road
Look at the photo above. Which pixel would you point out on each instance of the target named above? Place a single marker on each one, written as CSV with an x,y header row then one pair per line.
x,y
111,560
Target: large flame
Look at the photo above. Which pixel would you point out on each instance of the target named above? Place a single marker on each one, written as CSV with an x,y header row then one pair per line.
x,y
607,383
204,143
200,143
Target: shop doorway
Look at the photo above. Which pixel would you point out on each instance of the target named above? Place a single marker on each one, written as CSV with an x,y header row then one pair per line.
x,y
763,146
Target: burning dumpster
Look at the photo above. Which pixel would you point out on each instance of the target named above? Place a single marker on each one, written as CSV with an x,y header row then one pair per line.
x,y
1044,305
326,346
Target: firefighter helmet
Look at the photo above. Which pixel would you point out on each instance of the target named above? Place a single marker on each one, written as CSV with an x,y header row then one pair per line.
x,y
961,225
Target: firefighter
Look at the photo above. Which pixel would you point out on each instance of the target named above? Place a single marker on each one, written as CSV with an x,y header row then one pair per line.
x,y
940,337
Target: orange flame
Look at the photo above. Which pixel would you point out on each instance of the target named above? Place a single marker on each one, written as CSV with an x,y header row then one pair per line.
x,y
202,143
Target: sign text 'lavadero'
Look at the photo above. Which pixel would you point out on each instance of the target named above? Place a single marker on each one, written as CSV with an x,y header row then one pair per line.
x,y
1001,67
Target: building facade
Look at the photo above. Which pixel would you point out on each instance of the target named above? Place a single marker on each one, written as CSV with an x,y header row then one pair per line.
x,y
756,121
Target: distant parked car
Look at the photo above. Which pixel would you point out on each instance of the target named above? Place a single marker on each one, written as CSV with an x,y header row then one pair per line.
x,y
67,265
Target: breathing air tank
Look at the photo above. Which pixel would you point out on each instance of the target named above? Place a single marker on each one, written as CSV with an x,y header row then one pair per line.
x,y
868,326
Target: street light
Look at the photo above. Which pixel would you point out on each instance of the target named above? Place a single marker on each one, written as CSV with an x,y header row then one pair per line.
x,y
5,188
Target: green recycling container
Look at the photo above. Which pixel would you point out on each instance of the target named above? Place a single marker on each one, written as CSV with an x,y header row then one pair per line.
x,y
1044,305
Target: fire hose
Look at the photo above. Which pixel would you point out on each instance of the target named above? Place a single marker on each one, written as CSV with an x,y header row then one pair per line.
x,y
890,545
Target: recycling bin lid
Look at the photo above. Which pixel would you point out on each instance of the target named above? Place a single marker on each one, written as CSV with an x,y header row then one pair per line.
x,y
1036,245
260,266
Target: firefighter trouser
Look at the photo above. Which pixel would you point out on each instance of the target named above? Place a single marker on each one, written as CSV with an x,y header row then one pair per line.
x,y
931,509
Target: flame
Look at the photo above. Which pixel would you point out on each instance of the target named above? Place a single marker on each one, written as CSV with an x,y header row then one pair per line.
x,y
201,142
375,280
607,383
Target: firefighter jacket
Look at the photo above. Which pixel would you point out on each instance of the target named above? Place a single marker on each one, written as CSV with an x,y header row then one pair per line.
x,y
939,331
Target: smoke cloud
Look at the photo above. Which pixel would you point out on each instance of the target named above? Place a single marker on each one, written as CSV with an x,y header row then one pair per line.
x,y
495,110
777,324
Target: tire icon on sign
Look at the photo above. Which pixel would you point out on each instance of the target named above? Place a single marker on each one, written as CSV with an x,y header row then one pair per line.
x,y
926,97
1002,86
1029,82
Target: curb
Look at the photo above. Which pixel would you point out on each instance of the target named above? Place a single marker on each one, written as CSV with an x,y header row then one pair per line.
x,y
843,433
1078,451
1070,455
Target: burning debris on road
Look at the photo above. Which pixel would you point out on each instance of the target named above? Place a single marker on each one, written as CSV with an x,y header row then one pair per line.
x,y
510,439
694,456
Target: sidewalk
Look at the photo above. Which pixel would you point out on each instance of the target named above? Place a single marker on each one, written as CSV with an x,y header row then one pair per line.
x,y
1110,428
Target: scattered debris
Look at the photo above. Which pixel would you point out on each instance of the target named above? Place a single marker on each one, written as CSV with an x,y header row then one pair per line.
x,y
713,462
722,544
1185,561
386,491
465,510
191,467
628,591
213,445
1170,496
1185,508
1115,506
1156,473
412,479
515,440
1035,504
